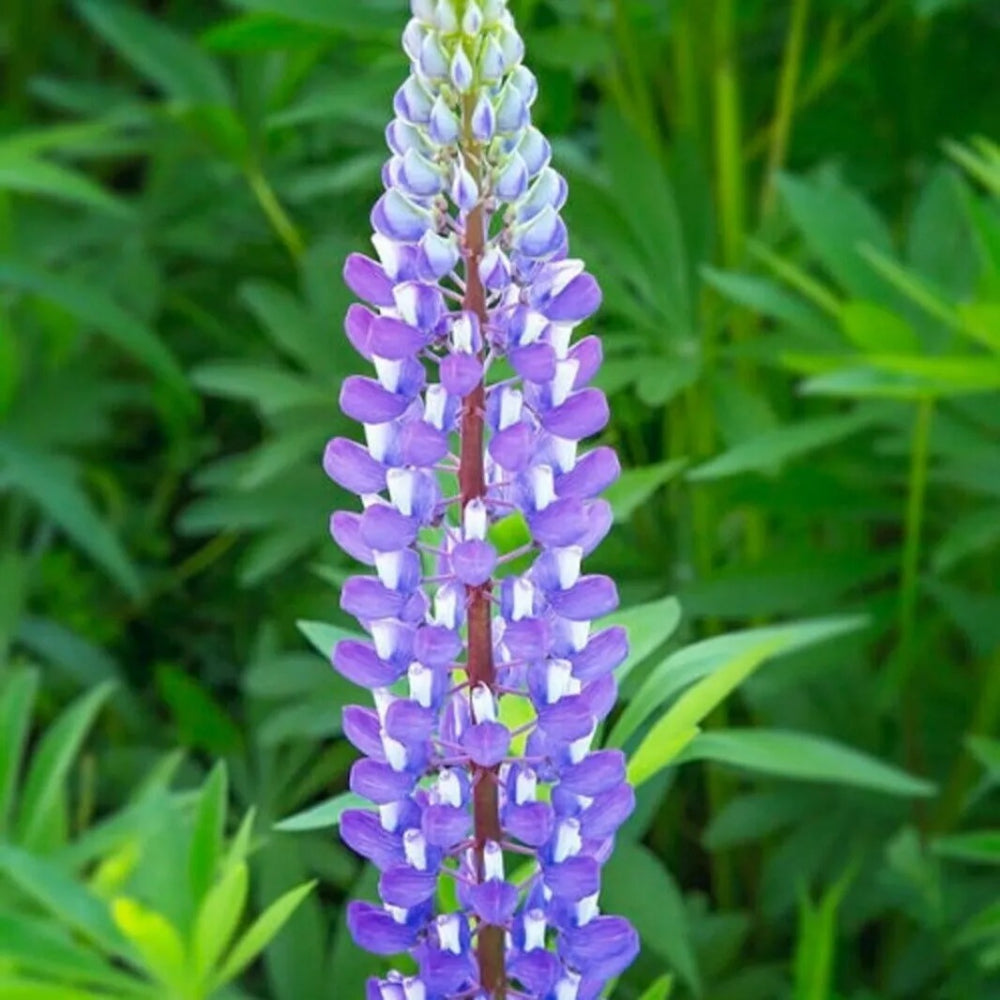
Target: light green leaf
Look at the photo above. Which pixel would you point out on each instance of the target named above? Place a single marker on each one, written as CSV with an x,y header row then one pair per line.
x,y
768,451
817,940
208,831
323,637
168,59
219,916
324,815
804,757
43,798
156,940
649,627
704,658
679,725
876,329
901,374
635,486
659,989
260,934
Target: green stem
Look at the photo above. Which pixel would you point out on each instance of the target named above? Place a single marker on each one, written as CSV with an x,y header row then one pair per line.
x,y
730,186
280,220
638,102
784,114
829,70
687,113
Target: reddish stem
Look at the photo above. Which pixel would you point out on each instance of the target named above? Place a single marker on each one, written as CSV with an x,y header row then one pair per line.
x,y
481,670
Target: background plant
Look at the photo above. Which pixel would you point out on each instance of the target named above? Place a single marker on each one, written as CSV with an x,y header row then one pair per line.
x,y
793,209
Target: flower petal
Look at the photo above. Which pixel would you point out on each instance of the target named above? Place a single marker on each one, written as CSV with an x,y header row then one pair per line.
x,y
376,931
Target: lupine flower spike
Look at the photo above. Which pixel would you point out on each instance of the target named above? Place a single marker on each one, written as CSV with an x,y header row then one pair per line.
x,y
471,309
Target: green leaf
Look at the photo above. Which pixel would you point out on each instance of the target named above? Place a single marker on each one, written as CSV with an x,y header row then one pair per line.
x,y
679,725
43,798
659,989
163,56
767,452
649,627
219,916
95,309
17,698
702,659
817,940
910,376
975,847
38,947
761,295
657,911
324,815
208,831
260,934
375,17
635,487
836,222
323,637
31,175
20,988
272,390
804,757
61,895
200,719
156,940
974,533
874,328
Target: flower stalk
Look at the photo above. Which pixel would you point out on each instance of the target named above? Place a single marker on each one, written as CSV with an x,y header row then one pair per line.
x,y
473,275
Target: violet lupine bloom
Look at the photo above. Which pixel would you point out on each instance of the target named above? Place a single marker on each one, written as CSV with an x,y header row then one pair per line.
x,y
469,322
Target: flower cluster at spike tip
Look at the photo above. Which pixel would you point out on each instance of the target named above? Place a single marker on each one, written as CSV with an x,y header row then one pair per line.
x,y
471,308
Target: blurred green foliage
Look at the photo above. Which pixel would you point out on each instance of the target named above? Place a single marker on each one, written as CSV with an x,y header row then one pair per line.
x,y
794,209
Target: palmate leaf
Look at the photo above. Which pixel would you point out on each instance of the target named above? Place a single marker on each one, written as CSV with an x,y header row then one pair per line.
x,y
836,223
52,484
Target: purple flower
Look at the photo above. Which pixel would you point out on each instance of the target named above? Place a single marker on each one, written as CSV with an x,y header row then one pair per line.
x,y
471,268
